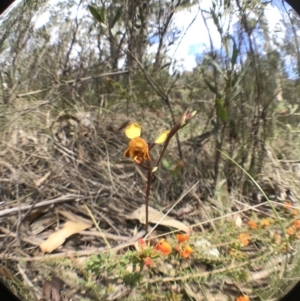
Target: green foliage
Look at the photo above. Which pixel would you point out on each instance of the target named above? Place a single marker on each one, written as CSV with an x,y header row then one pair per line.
x,y
116,17
221,110
132,279
98,14
100,262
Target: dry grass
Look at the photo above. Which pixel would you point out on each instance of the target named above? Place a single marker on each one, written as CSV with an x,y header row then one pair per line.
x,y
55,166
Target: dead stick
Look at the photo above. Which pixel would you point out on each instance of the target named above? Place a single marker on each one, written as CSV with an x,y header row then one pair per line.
x,y
61,199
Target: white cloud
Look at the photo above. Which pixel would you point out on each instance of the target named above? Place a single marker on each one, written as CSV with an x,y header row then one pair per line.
x,y
194,37
274,17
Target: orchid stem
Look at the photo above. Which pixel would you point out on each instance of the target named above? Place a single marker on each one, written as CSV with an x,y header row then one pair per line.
x,y
147,197
141,155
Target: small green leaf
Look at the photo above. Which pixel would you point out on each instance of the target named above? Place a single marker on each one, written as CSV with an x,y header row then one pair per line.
x,y
216,21
216,65
95,12
141,17
211,86
103,15
166,164
235,53
221,111
116,17
98,14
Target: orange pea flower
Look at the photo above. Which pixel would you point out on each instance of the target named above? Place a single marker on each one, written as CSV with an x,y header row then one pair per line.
x,y
290,231
244,238
297,224
243,298
163,247
148,261
182,237
252,224
186,252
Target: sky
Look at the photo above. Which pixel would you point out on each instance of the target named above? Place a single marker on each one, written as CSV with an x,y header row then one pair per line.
x,y
194,37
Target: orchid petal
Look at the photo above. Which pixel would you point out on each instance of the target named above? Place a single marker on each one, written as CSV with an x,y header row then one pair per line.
x,y
137,150
162,137
133,130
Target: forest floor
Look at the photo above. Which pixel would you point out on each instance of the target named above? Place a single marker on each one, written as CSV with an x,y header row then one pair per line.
x,y
72,217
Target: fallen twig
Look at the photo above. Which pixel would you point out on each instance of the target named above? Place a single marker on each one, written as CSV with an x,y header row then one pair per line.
x,y
61,199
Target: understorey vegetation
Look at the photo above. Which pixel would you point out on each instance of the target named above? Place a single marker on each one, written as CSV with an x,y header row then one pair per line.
x,y
90,209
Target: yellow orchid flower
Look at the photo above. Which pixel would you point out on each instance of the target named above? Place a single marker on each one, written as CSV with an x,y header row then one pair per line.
x,y
137,147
